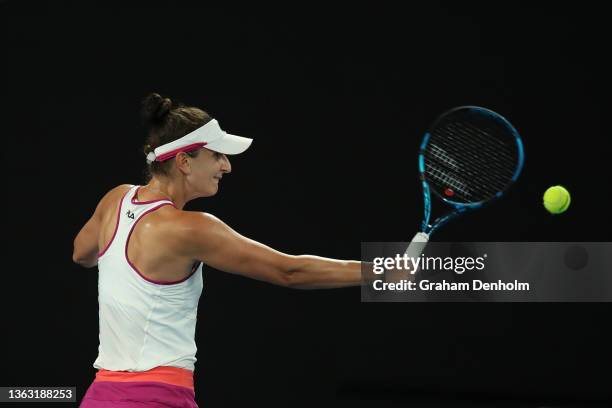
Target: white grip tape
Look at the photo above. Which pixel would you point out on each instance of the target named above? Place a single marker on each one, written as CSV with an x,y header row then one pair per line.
x,y
417,245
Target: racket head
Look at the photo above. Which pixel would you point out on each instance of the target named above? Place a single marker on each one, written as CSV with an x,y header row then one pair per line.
x,y
469,156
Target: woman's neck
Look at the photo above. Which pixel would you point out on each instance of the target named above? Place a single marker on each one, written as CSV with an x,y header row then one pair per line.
x,y
166,189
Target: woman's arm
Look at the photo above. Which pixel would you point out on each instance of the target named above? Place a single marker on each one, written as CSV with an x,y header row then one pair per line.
x,y
208,239
85,251
86,248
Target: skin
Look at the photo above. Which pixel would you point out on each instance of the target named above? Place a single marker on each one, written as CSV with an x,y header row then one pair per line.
x,y
165,243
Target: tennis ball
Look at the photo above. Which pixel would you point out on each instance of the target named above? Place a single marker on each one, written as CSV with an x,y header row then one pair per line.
x,y
556,199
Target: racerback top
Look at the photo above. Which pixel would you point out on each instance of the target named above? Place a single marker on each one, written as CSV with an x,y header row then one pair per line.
x,y
143,323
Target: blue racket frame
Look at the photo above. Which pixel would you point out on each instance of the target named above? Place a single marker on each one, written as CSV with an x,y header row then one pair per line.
x,y
460,208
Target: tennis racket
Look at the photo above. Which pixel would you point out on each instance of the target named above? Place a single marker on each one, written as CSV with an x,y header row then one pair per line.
x,y
468,158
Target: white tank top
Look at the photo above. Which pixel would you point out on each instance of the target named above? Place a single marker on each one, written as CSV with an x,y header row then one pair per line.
x,y
143,323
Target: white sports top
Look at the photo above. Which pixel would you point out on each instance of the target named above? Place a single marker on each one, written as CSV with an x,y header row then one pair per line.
x,y
143,323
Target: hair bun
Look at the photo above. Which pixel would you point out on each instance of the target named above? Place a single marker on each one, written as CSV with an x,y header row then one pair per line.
x,y
155,108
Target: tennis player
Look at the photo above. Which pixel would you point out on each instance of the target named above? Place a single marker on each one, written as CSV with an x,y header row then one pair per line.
x,y
149,253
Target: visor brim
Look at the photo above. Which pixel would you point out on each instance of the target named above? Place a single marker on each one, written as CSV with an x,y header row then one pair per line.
x,y
230,144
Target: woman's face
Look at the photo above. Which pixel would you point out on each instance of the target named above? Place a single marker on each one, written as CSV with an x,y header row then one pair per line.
x,y
206,172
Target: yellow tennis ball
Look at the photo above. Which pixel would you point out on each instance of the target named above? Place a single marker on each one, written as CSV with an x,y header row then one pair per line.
x,y
557,199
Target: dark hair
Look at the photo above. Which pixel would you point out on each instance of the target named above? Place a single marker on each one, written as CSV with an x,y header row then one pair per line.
x,y
167,121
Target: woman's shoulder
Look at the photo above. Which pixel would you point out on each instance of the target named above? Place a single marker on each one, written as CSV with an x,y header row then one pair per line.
x,y
112,197
113,193
185,224
185,231
120,189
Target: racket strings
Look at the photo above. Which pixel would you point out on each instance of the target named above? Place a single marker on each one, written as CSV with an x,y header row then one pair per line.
x,y
446,179
483,149
495,146
465,181
441,176
475,159
495,152
482,167
478,187
440,155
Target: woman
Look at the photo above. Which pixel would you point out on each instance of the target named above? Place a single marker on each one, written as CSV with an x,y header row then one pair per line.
x,y
150,252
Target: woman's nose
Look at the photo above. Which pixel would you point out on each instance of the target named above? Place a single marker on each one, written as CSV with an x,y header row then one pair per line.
x,y
226,166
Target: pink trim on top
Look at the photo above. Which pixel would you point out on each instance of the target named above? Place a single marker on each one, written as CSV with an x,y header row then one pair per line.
x,y
185,149
116,224
127,242
146,202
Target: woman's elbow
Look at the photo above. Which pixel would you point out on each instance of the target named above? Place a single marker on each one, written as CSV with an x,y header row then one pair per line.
x,y
286,274
77,259
80,258
292,275
281,277
86,263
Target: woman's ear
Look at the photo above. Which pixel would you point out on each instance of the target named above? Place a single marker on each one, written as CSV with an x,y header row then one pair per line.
x,y
181,161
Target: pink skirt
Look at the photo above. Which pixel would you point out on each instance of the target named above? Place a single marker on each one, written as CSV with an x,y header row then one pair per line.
x,y
161,387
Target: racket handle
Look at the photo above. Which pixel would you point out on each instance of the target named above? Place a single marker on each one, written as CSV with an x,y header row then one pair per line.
x,y
417,245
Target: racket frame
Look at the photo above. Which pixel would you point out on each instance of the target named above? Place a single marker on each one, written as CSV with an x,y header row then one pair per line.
x,y
460,208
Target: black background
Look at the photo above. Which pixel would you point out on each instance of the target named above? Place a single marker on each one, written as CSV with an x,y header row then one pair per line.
x,y
337,99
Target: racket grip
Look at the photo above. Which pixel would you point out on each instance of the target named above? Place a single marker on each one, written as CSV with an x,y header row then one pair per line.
x,y
417,245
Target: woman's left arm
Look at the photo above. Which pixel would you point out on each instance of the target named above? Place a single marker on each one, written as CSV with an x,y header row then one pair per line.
x,y
86,249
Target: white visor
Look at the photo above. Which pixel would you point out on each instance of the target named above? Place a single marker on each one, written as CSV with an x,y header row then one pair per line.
x,y
210,136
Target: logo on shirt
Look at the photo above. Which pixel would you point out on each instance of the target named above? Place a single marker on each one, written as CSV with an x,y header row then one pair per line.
x,y
129,214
